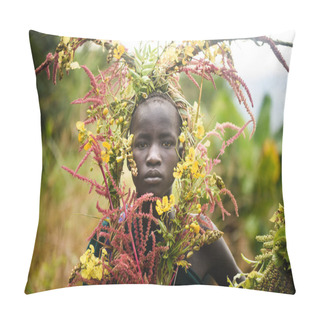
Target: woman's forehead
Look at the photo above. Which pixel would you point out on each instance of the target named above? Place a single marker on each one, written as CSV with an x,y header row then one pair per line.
x,y
155,112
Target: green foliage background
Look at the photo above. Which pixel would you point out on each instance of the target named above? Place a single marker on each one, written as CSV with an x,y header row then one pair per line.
x,y
250,168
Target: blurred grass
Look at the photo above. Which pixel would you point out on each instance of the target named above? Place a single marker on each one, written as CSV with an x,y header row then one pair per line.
x,y
250,169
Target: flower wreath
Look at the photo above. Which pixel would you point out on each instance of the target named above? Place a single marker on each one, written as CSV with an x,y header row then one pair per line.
x,y
104,136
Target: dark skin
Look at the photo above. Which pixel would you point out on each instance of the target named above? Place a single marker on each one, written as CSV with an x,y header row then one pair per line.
x,y
154,147
155,126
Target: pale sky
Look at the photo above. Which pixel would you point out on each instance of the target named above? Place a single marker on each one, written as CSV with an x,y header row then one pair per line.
x,y
260,69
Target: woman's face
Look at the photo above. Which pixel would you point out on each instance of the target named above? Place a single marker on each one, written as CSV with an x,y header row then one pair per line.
x,y
155,127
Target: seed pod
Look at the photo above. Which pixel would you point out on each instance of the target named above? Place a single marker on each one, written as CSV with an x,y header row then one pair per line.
x,y
190,253
268,245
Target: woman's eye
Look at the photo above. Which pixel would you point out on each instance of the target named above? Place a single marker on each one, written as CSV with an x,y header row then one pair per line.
x,y
167,144
141,145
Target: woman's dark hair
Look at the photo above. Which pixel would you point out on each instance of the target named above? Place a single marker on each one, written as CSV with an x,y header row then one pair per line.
x,y
156,95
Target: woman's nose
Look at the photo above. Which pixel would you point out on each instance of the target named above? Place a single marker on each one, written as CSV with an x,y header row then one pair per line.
x,y
153,158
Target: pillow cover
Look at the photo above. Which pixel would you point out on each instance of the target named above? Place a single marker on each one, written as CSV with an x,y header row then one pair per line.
x,y
149,150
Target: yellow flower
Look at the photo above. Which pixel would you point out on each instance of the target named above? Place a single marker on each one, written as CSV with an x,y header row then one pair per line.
x,y
183,263
81,136
87,146
91,266
165,205
90,141
158,207
107,145
182,138
118,51
194,227
82,130
200,132
65,40
195,167
92,271
191,164
191,155
104,252
178,171
97,272
188,51
195,170
80,126
105,156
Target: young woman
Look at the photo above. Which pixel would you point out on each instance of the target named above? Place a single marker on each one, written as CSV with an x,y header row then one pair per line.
x,y
156,127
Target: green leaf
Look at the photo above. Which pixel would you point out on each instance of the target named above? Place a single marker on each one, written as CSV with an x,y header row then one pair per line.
x,y
129,92
138,55
248,260
149,65
273,218
138,66
146,71
280,236
162,226
152,86
170,236
145,79
134,74
230,283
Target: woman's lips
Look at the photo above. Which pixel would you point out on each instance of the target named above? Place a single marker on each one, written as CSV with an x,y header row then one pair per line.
x,y
153,177
152,180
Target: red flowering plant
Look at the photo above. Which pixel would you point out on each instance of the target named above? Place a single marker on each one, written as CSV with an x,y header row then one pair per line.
x,y
136,247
